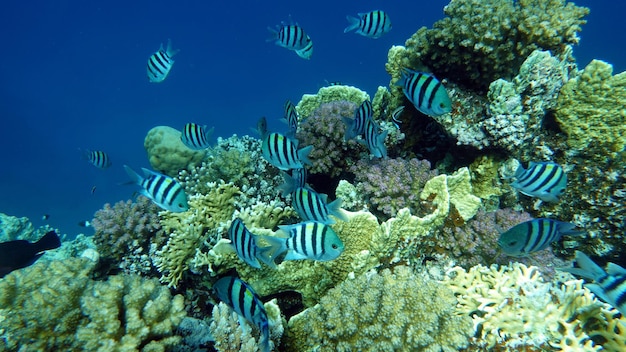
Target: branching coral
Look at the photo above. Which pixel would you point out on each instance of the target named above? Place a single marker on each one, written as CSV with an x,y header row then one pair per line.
x,y
393,310
58,307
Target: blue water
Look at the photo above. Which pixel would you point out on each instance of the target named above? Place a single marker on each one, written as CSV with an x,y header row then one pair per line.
x,y
73,75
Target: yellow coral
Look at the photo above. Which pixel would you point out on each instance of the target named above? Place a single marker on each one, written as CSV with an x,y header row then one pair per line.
x,y
310,102
166,152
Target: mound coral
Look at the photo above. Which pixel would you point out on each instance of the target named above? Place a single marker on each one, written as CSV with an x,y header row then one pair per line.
x,y
167,153
56,306
390,311
480,41
311,102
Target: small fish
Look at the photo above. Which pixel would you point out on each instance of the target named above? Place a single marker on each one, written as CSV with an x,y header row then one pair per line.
x,y
395,116
21,253
244,301
291,182
196,137
93,189
289,36
291,118
163,190
312,206
307,51
97,158
372,24
160,63
544,180
280,150
45,217
375,139
426,93
534,235
356,126
244,243
610,285
84,223
306,240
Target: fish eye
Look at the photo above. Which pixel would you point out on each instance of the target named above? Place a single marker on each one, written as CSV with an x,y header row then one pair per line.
x,y
334,245
180,205
512,243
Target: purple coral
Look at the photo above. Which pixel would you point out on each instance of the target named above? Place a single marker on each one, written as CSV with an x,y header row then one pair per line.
x,y
325,130
392,184
125,227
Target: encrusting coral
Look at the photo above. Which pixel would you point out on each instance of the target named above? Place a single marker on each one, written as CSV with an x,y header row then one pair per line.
x,y
388,311
56,306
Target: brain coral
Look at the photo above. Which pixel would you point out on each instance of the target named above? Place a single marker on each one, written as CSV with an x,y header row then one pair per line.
x,y
391,311
166,152
482,40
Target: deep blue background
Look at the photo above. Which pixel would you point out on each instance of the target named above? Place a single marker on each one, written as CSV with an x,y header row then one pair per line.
x,y
73,75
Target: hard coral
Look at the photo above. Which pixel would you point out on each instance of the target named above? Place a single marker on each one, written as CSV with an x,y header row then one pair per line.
x,y
167,153
393,310
482,40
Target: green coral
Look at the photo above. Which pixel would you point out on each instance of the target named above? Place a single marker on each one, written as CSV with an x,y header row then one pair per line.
x,y
57,306
391,311
310,102
591,110
167,153
482,40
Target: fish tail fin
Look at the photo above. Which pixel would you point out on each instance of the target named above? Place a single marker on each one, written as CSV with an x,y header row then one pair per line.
x,y
265,339
334,209
84,153
268,254
354,24
169,50
261,126
380,144
569,229
303,155
49,241
289,184
134,177
273,35
586,268
349,122
208,132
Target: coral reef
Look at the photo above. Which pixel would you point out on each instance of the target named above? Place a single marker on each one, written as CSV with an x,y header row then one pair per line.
x,y
167,153
513,308
230,336
389,185
393,310
480,41
590,110
124,232
311,102
13,228
56,306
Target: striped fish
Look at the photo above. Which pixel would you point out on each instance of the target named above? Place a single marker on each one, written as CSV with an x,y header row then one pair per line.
x,y
307,51
289,36
244,243
291,182
306,240
196,137
356,126
163,190
610,285
291,118
534,235
160,63
312,206
97,158
375,139
244,301
544,180
426,93
371,24
280,150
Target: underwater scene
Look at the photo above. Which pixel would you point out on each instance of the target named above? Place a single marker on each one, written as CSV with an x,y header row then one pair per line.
x,y
318,176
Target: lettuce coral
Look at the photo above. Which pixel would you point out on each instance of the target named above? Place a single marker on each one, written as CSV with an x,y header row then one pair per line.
x,y
56,306
387,311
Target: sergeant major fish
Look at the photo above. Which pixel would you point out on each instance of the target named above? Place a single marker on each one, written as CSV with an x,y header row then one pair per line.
x,y
544,180
245,243
21,253
372,24
307,51
426,93
289,36
534,235
311,205
196,137
306,240
356,126
291,119
97,158
163,190
375,139
280,150
160,63
244,301
291,182
610,285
